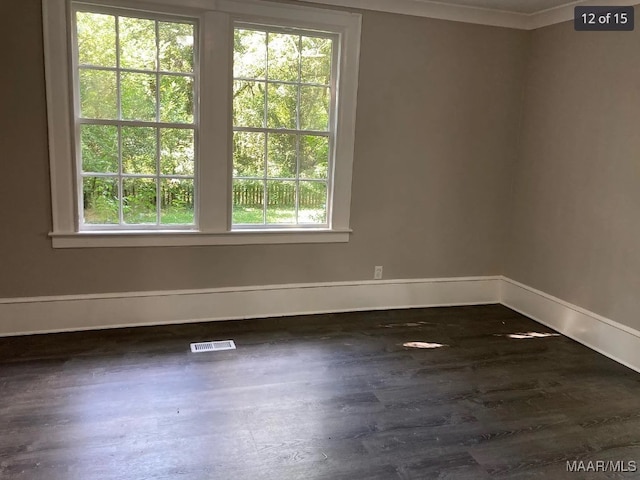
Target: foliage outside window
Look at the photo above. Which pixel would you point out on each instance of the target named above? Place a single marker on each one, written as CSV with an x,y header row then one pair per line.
x,y
282,106
136,119
220,122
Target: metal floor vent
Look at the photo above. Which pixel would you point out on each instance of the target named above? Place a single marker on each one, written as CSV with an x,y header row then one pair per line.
x,y
213,346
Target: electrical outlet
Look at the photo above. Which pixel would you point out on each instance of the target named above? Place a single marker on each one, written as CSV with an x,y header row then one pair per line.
x,y
377,272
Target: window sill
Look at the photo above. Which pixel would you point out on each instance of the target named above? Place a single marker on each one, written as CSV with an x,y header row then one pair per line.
x,y
185,238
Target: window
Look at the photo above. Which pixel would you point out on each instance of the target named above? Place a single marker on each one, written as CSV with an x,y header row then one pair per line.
x,y
193,125
134,84
282,109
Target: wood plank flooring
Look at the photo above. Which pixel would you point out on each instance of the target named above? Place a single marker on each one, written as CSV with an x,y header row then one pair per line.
x,y
328,397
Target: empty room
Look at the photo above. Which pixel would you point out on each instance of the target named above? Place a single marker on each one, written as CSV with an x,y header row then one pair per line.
x,y
323,239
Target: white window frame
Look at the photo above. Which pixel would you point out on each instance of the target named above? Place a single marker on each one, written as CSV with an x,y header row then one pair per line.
x,y
216,20
77,6
332,127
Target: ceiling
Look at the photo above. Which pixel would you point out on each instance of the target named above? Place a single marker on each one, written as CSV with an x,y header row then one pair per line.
x,y
520,14
516,6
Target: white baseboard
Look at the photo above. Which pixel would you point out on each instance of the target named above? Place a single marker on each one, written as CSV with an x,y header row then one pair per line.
x,y
22,316
616,341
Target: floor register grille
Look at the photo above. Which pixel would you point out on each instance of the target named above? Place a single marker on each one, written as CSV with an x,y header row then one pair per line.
x,y
213,346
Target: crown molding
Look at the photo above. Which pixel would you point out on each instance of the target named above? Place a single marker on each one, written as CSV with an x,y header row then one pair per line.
x,y
476,15
441,11
564,13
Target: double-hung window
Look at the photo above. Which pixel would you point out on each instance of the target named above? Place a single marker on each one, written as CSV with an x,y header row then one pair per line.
x,y
200,122
134,86
282,107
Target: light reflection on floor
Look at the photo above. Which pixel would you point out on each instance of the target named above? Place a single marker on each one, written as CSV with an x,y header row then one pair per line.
x,y
524,335
423,345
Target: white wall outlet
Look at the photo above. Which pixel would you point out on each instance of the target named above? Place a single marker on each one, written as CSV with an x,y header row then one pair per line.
x,y
377,272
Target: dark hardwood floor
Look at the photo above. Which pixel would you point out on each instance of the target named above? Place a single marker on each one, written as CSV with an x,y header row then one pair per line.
x,y
319,397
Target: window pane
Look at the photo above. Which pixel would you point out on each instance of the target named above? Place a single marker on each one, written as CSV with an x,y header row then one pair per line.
x,y
98,94
314,108
281,202
248,104
176,99
177,151
248,202
96,39
138,96
282,155
139,150
133,157
139,200
100,200
312,207
316,60
248,154
281,106
177,202
176,42
137,43
284,57
99,148
250,54
314,156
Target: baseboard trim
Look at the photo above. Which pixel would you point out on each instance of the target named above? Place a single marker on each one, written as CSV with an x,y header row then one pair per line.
x,y
53,314
612,339
34,315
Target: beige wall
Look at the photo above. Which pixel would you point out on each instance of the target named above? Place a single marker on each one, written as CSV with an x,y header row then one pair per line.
x,y
575,225
438,111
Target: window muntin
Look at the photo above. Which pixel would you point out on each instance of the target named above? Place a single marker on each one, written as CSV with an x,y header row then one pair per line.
x,y
136,120
283,134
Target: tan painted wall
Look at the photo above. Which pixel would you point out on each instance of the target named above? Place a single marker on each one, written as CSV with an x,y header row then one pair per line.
x,y
438,111
575,225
